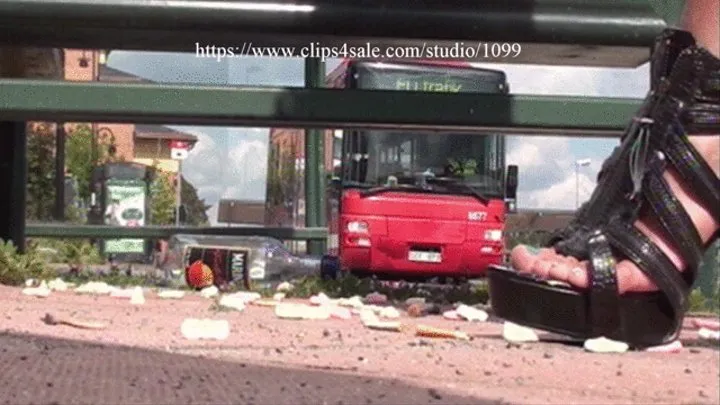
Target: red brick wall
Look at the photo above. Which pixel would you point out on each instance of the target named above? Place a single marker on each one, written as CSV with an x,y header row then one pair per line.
x,y
124,134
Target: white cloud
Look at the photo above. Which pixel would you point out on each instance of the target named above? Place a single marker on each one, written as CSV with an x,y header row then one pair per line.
x,y
547,164
218,171
231,162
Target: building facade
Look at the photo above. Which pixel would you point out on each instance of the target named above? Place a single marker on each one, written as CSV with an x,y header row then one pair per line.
x,y
145,144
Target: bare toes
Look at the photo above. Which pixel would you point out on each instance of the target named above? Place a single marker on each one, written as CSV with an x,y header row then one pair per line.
x,y
542,268
578,276
560,271
523,258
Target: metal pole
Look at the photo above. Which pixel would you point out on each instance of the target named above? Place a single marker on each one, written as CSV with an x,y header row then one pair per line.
x,y
178,193
94,141
314,160
60,171
13,182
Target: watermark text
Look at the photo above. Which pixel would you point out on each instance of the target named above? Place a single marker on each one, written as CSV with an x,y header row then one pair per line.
x,y
459,50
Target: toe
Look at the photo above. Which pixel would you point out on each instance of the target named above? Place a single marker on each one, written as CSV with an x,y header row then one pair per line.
x,y
561,271
542,268
578,276
523,258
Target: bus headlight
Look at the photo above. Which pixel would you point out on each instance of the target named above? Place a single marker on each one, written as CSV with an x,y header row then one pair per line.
x,y
494,235
357,226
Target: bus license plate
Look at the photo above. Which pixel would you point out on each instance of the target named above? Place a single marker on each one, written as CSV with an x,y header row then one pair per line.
x,y
426,257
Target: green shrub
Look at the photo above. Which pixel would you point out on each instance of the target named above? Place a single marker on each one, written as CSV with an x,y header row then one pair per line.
x,y
15,268
77,253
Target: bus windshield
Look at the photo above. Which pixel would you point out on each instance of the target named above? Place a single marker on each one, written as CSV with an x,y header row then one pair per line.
x,y
387,158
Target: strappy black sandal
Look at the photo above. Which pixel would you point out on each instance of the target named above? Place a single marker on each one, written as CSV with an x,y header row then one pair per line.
x,y
688,101
613,180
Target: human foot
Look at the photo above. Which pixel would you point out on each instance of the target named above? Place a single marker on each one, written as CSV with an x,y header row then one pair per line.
x,y
666,219
613,179
548,264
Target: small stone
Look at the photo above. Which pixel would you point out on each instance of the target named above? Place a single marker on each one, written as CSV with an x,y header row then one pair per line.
x,y
434,394
375,298
547,356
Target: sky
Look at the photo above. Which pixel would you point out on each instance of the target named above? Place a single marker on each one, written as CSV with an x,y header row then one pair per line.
x,y
232,163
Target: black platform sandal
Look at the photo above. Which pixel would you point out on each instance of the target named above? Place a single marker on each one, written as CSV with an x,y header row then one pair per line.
x,y
686,102
613,180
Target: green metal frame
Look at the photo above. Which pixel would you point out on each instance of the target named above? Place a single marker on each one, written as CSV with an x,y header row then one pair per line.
x,y
313,108
52,230
314,160
556,32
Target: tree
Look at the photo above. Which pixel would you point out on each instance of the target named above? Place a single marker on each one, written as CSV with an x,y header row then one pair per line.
x,y
163,201
78,156
196,208
40,175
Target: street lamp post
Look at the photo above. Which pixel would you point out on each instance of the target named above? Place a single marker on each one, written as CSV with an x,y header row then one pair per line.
x,y
578,164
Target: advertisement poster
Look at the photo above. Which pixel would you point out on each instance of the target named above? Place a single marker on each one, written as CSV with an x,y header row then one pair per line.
x,y
125,206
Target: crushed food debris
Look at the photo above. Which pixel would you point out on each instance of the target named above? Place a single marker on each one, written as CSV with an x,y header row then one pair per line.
x,y
301,311
137,297
390,326
515,333
95,287
672,347
451,315
705,333
370,320
340,312
432,332
76,323
471,314
232,302
211,329
320,299
58,284
367,315
605,345
171,294
209,292
246,296
122,293
41,291
265,303
352,302
284,287
389,312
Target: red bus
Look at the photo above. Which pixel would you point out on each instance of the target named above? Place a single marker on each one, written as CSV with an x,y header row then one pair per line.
x,y
417,205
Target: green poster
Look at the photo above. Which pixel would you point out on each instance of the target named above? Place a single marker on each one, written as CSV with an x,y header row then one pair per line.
x,y
125,206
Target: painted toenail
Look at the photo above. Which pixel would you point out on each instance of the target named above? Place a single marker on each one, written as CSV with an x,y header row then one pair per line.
x,y
533,250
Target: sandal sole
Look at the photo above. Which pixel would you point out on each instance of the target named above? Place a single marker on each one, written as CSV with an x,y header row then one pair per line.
x,y
646,319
